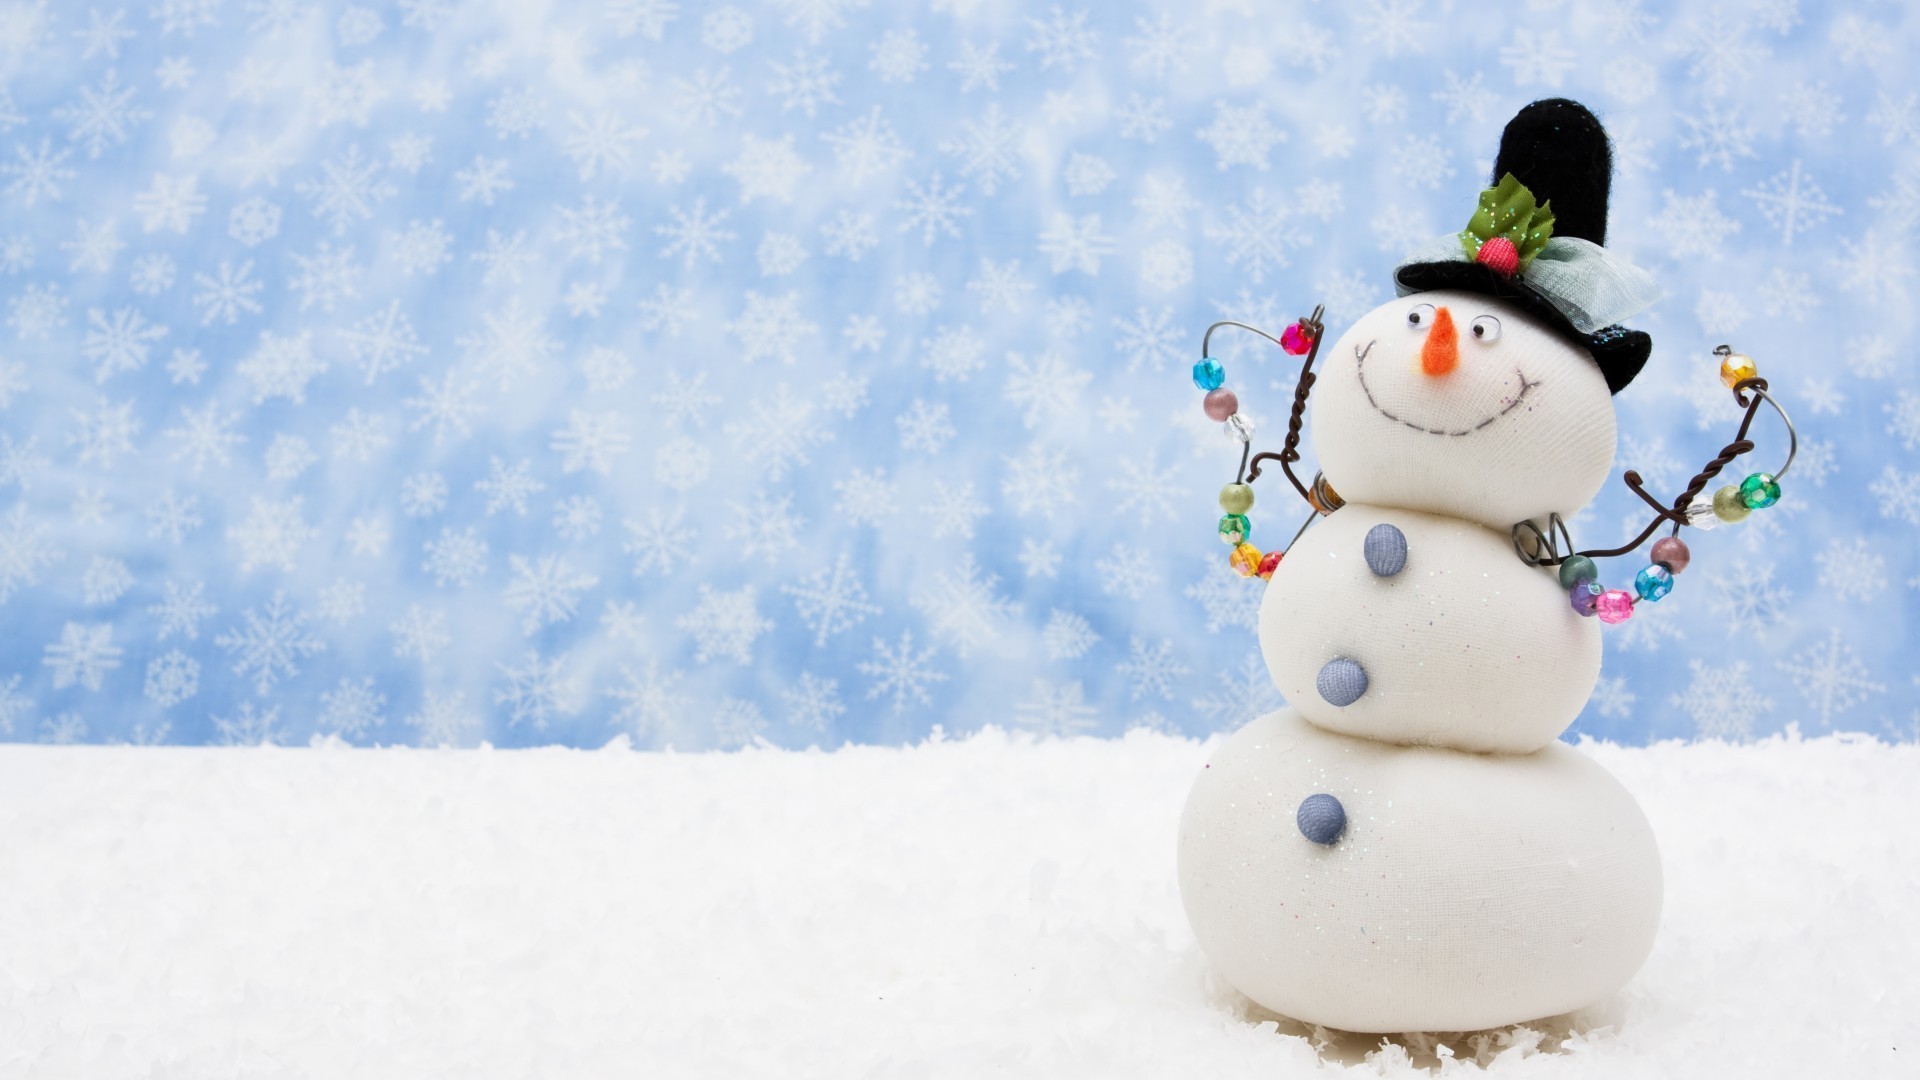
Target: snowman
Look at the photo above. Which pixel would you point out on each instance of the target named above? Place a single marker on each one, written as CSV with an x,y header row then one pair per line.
x,y
1408,847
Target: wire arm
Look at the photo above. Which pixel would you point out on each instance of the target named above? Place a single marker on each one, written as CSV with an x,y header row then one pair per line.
x,y
1290,451
1674,513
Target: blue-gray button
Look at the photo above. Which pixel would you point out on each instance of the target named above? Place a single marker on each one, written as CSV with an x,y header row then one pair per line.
x,y
1341,681
1386,550
1321,818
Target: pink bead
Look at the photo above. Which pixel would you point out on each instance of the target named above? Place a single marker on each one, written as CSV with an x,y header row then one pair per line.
x,y
1673,551
1221,403
1615,606
1295,340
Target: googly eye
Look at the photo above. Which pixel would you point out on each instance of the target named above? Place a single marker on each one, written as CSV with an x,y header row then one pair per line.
x,y
1420,317
1486,329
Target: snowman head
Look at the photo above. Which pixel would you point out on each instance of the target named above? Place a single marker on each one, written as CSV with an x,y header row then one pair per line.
x,y
1462,404
1484,390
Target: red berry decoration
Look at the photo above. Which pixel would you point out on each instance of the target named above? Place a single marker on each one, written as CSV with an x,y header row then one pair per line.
x,y
1294,339
1500,256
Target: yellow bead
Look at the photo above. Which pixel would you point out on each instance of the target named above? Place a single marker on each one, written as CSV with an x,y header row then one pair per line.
x,y
1245,560
1735,368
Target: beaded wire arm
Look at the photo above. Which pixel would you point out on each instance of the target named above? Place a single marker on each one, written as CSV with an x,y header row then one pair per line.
x,y
1302,337
1539,548
1670,555
1315,331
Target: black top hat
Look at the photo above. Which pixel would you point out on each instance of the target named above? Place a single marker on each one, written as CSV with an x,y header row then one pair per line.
x,y
1558,149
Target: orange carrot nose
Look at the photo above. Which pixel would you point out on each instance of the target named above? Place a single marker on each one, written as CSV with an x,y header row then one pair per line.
x,y
1441,353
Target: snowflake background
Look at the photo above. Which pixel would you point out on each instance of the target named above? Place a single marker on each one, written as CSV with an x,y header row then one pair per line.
x,y
816,370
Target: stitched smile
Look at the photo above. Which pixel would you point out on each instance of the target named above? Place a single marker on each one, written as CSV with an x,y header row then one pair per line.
x,y
1360,369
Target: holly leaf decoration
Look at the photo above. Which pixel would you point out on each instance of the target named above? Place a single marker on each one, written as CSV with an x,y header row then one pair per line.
x,y
1507,210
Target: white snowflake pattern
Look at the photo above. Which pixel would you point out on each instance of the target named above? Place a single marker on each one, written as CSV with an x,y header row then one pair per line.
x,y
902,672
85,654
172,677
831,600
1056,709
963,607
537,691
650,702
352,708
1792,203
546,590
1831,678
443,719
118,343
1151,671
1241,135
270,643
813,703
1254,235
725,624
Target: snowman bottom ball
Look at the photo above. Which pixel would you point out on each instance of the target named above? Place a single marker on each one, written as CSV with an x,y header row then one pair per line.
x,y
1462,891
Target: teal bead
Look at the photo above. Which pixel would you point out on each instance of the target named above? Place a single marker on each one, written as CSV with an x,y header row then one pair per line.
x,y
1577,568
1234,529
1209,374
1654,582
1759,491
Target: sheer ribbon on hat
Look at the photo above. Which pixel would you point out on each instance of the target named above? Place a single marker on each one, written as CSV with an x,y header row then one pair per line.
x,y
1593,288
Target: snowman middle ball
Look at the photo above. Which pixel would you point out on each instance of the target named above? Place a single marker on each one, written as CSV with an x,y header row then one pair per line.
x,y
1465,646
1462,404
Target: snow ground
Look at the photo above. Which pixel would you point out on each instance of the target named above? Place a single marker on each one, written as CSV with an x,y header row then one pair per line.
x,y
991,906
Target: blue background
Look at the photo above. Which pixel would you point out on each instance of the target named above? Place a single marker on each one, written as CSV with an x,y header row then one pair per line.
x,y
816,370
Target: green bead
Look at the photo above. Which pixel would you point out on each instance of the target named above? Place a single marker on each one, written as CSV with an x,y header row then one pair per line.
x,y
1236,498
1759,491
1577,568
1234,529
1728,506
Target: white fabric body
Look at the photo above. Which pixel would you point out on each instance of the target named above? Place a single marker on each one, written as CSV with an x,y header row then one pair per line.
x,y
1488,875
1522,427
1468,891
1466,646
1590,285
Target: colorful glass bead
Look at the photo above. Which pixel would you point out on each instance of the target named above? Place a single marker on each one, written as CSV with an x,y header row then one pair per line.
x,y
1236,498
1759,491
1614,606
1245,560
1654,582
1576,569
1735,367
1221,404
1700,513
1729,507
1585,597
1268,564
1671,552
1239,428
1294,339
1234,529
1209,374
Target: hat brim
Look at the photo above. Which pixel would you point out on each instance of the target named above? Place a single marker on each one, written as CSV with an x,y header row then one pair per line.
x,y
1621,353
